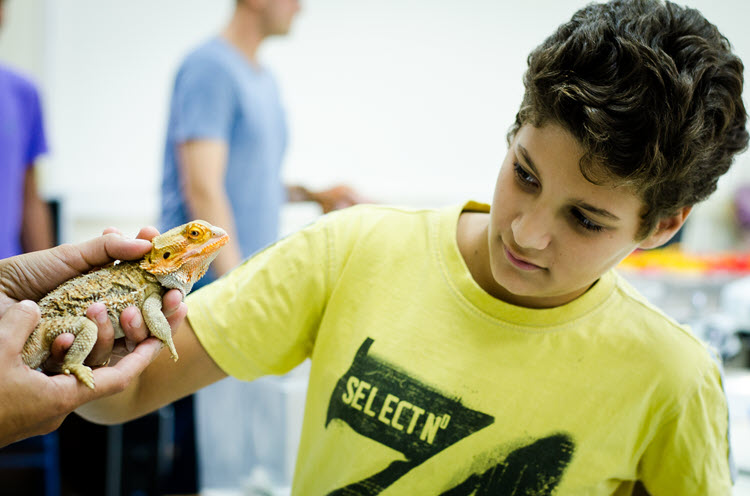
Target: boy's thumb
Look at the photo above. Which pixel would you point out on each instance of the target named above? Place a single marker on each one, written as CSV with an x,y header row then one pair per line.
x,y
17,324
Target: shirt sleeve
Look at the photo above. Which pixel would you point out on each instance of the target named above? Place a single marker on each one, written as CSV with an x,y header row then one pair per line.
x,y
689,454
204,101
262,317
37,140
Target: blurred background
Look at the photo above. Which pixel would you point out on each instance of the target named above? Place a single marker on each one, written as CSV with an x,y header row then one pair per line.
x,y
408,101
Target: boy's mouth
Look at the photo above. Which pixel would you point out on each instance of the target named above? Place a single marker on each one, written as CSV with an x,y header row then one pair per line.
x,y
519,262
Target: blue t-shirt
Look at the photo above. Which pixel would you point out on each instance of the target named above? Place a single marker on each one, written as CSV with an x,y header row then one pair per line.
x,y
22,140
218,94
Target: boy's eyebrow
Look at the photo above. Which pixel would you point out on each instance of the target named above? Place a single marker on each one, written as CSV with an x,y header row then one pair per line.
x,y
580,203
596,210
525,153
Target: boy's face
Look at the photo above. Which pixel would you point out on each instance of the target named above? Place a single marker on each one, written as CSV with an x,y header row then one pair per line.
x,y
552,233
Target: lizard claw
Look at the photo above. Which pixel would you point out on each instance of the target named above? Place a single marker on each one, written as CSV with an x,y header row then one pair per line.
x,y
83,373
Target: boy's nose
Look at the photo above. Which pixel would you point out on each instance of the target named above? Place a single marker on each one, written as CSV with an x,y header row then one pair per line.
x,y
531,230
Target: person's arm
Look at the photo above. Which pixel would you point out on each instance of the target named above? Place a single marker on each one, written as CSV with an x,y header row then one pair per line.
x,y
162,382
331,199
203,166
36,224
34,403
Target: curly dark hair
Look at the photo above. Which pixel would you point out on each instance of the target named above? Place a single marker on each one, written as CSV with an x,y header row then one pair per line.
x,y
653,93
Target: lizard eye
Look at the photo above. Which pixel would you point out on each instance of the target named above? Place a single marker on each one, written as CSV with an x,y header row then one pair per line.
x,y
166,255
195,232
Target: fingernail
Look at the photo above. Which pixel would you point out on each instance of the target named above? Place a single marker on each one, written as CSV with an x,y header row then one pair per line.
x,y
101,317
136,322
130,345
30,304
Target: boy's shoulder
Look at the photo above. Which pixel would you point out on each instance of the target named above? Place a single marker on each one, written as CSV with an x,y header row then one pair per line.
x,y
660,338
373,215
381,230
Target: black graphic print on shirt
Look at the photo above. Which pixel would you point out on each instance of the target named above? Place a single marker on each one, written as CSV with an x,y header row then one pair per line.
x,y
535,469
386,405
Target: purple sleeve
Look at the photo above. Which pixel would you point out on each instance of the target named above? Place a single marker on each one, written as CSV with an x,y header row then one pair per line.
x,y
37,141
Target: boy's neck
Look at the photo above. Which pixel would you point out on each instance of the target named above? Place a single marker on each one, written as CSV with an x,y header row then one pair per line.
x,y
472,238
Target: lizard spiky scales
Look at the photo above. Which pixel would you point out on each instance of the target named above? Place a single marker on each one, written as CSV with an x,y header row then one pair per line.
x,y
178,259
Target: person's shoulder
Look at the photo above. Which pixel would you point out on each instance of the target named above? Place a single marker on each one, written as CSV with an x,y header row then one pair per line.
x,y
211,53
665,342
17,80
379,214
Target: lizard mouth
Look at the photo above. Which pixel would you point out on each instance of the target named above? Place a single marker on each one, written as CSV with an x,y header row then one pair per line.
x,y
210,247
219,239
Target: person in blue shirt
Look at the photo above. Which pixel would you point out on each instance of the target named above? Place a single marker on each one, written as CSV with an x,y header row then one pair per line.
x,y
226,138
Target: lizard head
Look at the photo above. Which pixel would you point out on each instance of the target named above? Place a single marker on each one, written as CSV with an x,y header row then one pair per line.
x,y
181,256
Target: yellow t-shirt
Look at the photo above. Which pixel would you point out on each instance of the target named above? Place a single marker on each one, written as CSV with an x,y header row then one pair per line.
x,y
422,383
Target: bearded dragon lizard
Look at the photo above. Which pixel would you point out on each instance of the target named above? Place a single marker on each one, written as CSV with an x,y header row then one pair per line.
x,y
178,259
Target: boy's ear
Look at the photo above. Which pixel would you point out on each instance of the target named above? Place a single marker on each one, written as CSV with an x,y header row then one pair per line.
x,y
666,229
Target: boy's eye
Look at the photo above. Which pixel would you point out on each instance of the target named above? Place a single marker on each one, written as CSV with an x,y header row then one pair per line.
x,y
585,222
523,176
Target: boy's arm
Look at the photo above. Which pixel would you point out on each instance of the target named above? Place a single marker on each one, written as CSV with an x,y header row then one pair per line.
x,y
689,453
162,382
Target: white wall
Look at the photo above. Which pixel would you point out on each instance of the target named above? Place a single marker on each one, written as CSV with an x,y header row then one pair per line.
x,y
408,100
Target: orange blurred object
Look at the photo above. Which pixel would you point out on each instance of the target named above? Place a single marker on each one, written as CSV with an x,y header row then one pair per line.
x,y
672,259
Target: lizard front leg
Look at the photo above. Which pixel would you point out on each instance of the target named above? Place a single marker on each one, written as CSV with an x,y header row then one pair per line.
x,y
157,323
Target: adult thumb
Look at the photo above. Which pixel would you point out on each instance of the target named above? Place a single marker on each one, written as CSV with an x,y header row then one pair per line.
x,y
17,324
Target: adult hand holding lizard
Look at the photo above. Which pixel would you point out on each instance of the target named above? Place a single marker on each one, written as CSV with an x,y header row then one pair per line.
x,y
34,403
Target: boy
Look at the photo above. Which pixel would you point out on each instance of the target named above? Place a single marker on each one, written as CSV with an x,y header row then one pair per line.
x,y
492,349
